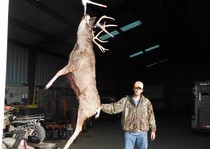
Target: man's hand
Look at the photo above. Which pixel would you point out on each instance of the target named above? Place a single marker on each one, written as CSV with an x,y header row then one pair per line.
x,y
8,108
153,135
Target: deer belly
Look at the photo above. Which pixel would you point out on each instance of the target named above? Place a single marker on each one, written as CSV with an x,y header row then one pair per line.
x,y
89,103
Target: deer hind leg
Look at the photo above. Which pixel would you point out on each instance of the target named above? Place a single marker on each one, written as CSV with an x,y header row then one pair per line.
x,y
80,121
61,72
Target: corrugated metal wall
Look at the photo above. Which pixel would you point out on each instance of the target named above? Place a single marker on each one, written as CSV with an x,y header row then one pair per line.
x,y
17,65
46,67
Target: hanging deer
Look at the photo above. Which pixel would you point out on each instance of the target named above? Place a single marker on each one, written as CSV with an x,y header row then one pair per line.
x,y
81,71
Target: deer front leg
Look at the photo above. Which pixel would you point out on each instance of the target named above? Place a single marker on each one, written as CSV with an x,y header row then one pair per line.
x,y
80,121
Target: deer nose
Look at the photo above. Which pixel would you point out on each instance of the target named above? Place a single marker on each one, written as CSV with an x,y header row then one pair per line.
x,y
87,16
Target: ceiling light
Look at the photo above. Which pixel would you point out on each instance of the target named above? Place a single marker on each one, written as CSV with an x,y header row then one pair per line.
x,y
157,63
152,48
131,25
107,36
151,65
136,54
163,60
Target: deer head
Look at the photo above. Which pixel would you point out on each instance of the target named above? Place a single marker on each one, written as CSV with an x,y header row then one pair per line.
x,y
86,30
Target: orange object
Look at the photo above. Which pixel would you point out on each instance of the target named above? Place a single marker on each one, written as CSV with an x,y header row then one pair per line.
x,y
64,106
8,108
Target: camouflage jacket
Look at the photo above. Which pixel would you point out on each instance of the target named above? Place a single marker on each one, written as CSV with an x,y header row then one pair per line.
x,y
133,118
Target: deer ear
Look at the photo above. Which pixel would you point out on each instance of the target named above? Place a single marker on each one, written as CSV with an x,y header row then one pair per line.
x,y
92,21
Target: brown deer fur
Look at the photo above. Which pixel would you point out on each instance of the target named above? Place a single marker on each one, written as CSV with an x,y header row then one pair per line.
x,y
81,73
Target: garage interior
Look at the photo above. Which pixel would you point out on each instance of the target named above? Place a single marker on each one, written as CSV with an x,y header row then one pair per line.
x,y
165,44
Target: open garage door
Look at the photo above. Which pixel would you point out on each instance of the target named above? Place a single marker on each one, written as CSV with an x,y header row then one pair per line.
x,y
201,117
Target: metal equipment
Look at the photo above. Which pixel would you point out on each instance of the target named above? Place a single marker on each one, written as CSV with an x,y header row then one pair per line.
x,y
26,120
201,117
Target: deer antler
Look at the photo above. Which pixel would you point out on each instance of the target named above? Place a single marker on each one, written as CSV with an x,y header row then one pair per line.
x,y
96,38
103,27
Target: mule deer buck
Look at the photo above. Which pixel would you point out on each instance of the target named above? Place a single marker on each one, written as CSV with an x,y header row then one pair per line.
x,y
81,72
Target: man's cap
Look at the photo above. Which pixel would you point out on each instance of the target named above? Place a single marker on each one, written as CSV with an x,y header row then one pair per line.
x,y
138,84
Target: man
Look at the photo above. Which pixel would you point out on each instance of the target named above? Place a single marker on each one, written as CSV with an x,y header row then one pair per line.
x,y
137,117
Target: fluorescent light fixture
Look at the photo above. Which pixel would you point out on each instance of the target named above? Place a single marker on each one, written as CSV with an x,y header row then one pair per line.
x,y
107,36
146,50
131,25
151,65
152,48
163,60
124,28
136,54
157,63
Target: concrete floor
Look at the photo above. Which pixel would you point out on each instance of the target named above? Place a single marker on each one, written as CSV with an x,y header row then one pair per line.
x,y
173,133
